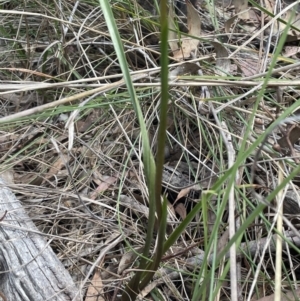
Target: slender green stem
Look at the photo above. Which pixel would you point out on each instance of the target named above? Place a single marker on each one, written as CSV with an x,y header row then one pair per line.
x,y
160,156
160,247
149,164
135,285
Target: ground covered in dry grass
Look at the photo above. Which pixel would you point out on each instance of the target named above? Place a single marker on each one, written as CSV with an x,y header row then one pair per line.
x,y
70,143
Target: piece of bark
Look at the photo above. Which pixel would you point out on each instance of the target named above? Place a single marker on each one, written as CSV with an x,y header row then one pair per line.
x,y
29,269
291,203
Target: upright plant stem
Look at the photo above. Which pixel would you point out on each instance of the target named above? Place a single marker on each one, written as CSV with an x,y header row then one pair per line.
x,y
142,278
160,157
161,210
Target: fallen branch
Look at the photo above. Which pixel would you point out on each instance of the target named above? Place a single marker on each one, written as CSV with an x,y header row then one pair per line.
x,y
29,269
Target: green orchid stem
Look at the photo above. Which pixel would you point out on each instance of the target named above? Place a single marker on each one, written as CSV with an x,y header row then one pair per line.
x,y
160,157
161,210
151,268
154,178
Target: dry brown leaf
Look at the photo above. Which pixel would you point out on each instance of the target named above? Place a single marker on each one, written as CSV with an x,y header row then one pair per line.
x,y
222,63
223,241
56,167
171,208
293,35
173,37
83,125
287,142
181,210
95,289
194,26
289,16
183,192
185,69
277,26
252,22
147,290
103,184
290,51
28,178
247,67
127,259
228,23
241,8
269,5
284,297
8,177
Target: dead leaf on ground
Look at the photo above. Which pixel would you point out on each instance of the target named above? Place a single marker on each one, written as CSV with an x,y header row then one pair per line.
x,y
173,37
241,8
290,16
103,182
137,207
127,259
28,178
185,69
247,67
95,289
269,5
228,23
171,209
284,297
183,192
247,25
194,29
223,241
56,167
181,210
147,290
293,34
223,62
8,177
290,51
287,142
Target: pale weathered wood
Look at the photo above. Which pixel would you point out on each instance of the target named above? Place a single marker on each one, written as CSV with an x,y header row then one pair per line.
x,y
29,269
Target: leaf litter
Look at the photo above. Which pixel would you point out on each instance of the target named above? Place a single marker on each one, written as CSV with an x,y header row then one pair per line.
x,y
105,163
